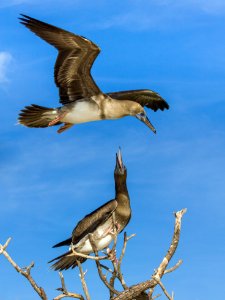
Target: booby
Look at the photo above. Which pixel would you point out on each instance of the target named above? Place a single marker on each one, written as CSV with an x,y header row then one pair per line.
x,y
109,219
81,98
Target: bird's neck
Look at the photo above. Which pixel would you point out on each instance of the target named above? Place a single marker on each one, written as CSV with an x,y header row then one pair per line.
x,y
121,187
122,195
123,210
115,109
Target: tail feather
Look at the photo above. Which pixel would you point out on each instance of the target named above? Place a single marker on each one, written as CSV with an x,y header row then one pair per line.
x,y
66,261
37,116
63,243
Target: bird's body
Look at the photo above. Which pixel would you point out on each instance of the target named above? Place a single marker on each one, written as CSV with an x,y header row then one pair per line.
x,y
82,100
103,223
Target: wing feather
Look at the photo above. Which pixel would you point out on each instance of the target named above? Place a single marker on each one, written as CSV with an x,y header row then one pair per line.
x,y
76,56
146,98
91,221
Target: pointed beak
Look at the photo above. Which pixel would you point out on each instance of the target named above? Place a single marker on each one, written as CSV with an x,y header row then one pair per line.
x,y
119,162
145,119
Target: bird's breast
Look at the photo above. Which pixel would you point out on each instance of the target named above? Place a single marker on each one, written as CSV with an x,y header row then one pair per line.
x,y
81,112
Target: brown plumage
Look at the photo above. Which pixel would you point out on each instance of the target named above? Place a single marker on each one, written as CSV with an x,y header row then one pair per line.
x,y
99,223
81,98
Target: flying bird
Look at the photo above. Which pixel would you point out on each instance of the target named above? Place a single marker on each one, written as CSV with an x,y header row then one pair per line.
x,y
100,223
80,98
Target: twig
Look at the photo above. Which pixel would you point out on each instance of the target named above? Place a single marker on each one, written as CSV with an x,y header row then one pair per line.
x,y
106,268
23,271
82,278
119,273
135,290
156,296
65,293
101,275
117,267
174,267
151,291
163,288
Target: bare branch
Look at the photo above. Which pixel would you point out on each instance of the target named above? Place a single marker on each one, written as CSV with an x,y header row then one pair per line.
x,y
23,271
116,273
151,291
65,293
106,268
119,273
163,288
174,267
135,290
101,275
82,278
156,296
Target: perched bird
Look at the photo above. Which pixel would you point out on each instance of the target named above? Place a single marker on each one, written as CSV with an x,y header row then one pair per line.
x,y
100,223
81,99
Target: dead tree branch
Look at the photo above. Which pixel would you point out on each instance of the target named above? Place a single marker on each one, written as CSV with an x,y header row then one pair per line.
x,y
82,278
23,271
64,291
135,290
174,267
101,275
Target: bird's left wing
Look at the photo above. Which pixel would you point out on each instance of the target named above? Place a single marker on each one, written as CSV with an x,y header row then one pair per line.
x,y
146,98
91,221
75,58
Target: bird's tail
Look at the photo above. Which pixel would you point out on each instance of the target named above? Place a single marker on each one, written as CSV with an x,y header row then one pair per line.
x,y
38,116
66,261
63,243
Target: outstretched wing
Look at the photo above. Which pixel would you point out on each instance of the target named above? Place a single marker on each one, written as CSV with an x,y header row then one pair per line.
x,y
90,222
75,59
146,98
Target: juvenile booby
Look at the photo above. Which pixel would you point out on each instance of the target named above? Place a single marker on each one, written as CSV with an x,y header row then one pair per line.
x,y
100,223
81,99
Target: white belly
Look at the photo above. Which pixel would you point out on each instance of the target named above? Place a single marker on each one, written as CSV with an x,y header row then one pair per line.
x,y
101,244
82,112
102,237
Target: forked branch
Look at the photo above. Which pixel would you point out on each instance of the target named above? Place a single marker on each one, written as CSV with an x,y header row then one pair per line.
x,y
23,271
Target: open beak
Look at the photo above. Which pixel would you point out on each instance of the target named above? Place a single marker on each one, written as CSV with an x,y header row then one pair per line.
x,y
119,162
143,118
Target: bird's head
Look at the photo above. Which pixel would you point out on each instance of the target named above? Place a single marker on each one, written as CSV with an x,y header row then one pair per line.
x,y
120,169
138,111
120,175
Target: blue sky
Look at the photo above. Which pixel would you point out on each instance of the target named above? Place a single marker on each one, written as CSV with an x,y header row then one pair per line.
x,y
50,181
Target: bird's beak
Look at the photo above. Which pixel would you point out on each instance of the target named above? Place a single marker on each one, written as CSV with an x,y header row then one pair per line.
x,y
143,118
119,162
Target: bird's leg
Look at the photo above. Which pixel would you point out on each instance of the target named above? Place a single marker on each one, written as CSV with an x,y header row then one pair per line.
x,y
57,119
116,228
113,229
112,255
64,127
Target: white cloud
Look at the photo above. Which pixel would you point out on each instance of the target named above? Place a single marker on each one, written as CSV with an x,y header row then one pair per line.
x,y
145,14
5,60
8,3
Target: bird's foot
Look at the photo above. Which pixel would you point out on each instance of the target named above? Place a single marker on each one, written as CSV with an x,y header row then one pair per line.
x,y
112,255
113,230
64,127
57,119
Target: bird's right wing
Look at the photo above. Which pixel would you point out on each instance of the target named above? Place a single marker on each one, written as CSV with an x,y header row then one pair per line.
x,y
90,222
